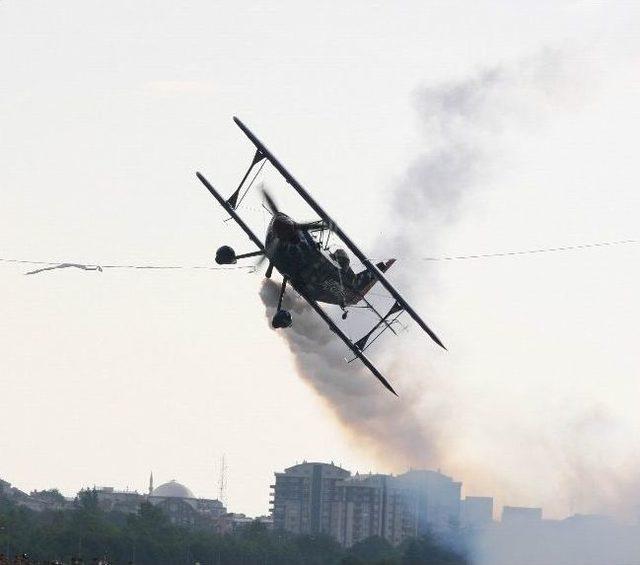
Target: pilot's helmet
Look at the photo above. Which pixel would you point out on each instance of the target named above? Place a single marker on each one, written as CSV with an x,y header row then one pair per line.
x,y
340,255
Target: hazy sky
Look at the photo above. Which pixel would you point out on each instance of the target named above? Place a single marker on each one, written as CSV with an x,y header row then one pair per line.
x,y
107,109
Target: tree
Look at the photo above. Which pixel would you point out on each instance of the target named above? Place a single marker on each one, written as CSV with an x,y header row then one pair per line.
x,y
149,538
374,548
52,495
426,550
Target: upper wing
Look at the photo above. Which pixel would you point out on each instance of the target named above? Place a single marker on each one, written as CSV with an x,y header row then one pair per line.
x,y
338,231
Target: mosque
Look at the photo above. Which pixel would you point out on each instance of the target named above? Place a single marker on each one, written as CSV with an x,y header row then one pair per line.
x,y
177,502
175,499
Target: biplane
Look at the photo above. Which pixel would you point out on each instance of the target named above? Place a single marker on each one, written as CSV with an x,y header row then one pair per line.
x,y
315,271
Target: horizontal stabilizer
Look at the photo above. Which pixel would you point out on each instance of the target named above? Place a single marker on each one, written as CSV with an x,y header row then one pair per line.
x,y
365,280
384,266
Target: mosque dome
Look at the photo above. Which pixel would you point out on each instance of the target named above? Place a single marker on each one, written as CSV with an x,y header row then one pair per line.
x,y
172,489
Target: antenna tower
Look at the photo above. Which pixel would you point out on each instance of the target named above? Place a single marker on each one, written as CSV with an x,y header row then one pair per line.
x,y
222,481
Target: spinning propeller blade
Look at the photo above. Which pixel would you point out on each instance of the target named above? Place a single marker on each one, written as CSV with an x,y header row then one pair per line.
x,y
270,202
263,258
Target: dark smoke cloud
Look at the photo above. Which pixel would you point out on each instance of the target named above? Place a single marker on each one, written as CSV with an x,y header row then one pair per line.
x,y
391,428
460,120
463,121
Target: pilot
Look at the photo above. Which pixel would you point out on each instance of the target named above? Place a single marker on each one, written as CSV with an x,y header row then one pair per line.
x,y
340,255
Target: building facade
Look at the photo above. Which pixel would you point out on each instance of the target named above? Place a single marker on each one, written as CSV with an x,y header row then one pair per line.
x,y
431,501
520,515
112,500
362,508
476,511
305,498
322,498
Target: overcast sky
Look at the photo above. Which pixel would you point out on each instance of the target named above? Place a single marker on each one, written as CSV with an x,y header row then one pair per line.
x,y
107,109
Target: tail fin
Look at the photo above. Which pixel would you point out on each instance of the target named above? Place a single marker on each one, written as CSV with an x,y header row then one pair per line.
x,y
366,279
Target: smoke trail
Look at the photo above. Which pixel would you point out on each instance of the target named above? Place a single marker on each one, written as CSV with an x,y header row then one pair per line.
x,y
461,120
464,123
391,428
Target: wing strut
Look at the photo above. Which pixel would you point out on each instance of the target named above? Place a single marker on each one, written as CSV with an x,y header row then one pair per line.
x,y
233,199
362,342
229,209
334,227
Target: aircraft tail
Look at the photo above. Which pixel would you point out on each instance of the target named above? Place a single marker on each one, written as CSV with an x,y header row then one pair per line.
x,y
365,279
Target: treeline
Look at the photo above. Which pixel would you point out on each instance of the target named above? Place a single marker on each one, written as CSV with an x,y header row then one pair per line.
x,y
88,535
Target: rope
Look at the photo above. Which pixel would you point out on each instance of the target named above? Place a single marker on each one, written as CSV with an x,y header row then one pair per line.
x,y
533,251
98,266
50,265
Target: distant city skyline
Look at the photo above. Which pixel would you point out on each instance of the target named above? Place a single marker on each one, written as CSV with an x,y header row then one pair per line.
x,y
473,508
313,498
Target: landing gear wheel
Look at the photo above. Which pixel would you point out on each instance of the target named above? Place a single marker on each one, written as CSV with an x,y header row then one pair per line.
x,y
282,319
226,256
344,315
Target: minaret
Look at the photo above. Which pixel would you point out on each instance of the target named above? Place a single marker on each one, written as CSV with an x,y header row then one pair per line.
x,y
151,483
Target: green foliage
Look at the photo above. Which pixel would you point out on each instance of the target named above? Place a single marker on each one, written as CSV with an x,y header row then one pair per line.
x,y
149,538
425,550
374,550
52,495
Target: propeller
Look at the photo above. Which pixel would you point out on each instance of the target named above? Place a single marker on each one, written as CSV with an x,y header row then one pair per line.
x,y
272,207
263,258
271,204
287,223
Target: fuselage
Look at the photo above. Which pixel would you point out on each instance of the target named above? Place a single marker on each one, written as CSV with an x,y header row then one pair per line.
x,y
326,276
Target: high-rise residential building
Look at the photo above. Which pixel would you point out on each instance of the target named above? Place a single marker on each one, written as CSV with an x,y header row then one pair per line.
x,y
430,500
362,508
374,505
305,498
476,511
316,497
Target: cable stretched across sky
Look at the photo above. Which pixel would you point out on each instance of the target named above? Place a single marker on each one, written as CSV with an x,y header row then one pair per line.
x,y
563,248
53,265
